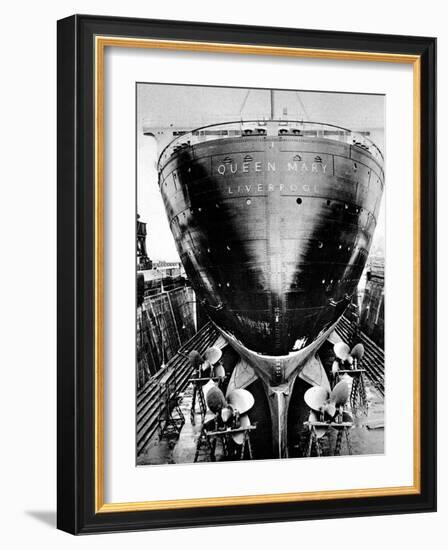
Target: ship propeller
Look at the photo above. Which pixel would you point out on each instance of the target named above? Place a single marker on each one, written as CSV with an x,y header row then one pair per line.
x,y
233,411
343,353
319,399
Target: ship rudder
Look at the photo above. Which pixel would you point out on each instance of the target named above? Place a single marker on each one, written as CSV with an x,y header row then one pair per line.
x,y
278,399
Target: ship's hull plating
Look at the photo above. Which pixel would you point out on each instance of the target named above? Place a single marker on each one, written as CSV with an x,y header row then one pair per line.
x,y
273,232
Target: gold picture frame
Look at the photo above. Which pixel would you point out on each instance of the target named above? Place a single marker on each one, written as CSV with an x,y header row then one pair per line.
x,y
96,35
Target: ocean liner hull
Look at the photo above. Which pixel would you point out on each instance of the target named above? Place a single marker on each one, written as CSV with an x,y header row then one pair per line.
x,y
274,233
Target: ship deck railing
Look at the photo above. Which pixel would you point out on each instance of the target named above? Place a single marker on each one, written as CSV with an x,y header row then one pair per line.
x,y
176,374
284,128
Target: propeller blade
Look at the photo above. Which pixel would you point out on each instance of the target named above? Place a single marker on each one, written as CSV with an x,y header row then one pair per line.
x,y
241,400
330,409
226,414
341,350
219,370
357,352
320,431
215,400
334,367
244,423
340,393
316,397
206,387
195,359
212,355
205,372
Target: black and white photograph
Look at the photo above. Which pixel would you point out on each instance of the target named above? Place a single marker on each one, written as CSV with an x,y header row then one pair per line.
x,y
260,274
221,257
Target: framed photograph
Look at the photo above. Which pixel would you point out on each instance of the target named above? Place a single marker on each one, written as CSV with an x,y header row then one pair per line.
x,y
246,274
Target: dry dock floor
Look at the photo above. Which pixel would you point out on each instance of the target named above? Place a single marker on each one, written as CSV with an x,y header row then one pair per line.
x,y
366,436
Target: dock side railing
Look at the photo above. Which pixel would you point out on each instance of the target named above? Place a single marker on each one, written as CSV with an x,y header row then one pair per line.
x,y
176,373
373,360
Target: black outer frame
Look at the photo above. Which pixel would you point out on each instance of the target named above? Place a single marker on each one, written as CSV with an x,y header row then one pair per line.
x,y
75,403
